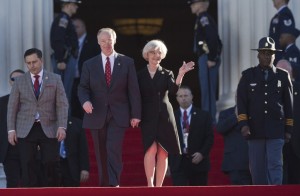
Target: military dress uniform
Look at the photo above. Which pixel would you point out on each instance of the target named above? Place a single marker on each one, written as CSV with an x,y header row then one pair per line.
x,y
207,46
64,43
292,54
266,107
283,19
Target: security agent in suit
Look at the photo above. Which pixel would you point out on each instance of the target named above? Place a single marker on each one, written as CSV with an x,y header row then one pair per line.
x,y
37,116
264,102
207,46
191,168
235,159
283,19
9,154
75,166
291,148
88,48
110,103
64,43
291,51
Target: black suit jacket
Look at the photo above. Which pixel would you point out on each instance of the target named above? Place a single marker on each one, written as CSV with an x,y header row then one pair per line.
x,y
235,145
76,148
3,127
200,139
90,48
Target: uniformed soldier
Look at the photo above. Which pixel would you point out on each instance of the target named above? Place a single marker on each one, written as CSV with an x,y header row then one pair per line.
x,y
282,19
64,43
264,101
207,46
291,51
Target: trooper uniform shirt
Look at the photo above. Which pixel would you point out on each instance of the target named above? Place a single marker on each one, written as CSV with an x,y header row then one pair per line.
x,y
206,38
63,38
283,19
292,54
265,105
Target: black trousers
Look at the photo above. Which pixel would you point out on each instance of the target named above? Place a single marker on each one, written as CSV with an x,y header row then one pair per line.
x,y
39,159
12,167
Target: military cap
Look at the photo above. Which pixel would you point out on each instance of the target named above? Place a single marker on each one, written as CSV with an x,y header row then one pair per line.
x,y
291,30
266,43
190,2
70,1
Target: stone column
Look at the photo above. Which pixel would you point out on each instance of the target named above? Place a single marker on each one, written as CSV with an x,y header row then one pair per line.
x,y
24,24
241,25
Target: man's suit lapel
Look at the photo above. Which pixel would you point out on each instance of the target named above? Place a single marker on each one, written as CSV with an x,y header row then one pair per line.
x,y
193,119
99,67
29,83
178,117
117,69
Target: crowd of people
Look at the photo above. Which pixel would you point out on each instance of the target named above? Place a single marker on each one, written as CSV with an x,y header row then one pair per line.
x,y
94,87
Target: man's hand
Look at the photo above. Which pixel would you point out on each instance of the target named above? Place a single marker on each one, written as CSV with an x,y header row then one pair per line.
x,y
245,131
61,134
197,157
84,175
88,107
61,66
210,63
135,122
12,137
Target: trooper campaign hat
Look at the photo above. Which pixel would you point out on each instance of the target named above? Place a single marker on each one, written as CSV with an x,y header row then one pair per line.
x,y
266,43
190,2
70,1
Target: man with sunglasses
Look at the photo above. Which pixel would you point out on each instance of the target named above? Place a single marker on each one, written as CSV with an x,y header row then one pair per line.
x,y
264,102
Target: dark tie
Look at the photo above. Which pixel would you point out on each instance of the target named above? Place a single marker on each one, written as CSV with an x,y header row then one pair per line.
x,y
107,71
185,122
36,86
266,72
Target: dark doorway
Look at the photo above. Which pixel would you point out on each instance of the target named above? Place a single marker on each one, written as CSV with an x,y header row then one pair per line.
x,y
138,21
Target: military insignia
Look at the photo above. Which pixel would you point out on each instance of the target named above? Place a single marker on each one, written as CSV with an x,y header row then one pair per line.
x,y
253,84
287,22
204,21
279,83
275,21
63,22
291,59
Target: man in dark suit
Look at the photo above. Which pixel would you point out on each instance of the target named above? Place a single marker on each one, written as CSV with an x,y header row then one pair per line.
x,y
235,160
75,165
37,116
9,154
291,148
196,139
110,96
88,48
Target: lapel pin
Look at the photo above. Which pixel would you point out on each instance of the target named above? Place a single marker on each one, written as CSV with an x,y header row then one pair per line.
x,y
46,77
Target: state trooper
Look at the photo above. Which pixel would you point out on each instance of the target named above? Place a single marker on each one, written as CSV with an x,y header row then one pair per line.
x,y
264,102
207,46
281,20
64,43
291,51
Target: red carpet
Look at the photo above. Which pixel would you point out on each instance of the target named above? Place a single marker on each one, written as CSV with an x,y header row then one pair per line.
x,y
133,171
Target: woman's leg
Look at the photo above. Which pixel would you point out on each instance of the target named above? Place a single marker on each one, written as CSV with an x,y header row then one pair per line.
x,y
149,163
162,165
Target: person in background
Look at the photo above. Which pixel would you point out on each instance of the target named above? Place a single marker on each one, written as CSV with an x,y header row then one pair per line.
x,y
158,126
287,41
74,161
207,47
37,117
235,159
291,148
281,20
88,48
196,140
64,42
9,154
265,114
110,96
